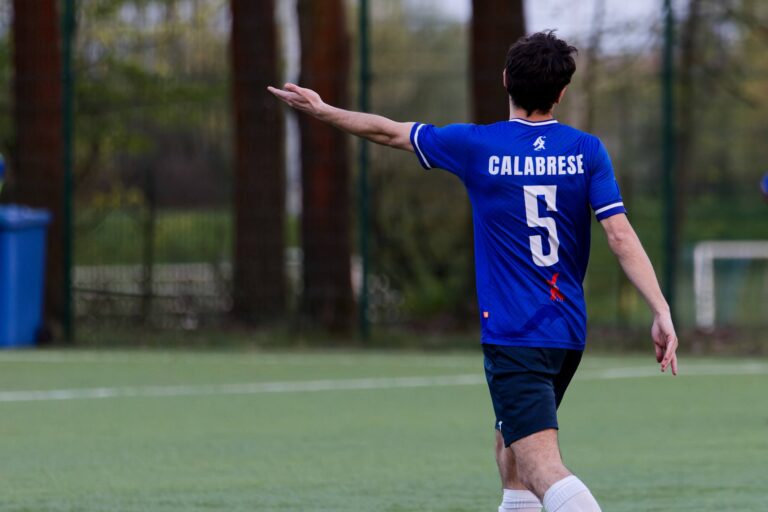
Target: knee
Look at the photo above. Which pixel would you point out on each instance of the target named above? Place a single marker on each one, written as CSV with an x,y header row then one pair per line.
x,y
539,476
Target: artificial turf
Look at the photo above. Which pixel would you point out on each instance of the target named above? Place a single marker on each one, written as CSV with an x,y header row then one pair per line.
x,y
641,441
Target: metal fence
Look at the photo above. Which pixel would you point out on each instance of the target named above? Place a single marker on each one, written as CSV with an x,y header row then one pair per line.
x,y
153,223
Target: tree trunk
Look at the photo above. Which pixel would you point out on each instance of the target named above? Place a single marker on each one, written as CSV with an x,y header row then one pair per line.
x,y
259,277
325,226
496,25
38,157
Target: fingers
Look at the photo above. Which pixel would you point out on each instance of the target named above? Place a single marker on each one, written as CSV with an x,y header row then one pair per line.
x,y
667,359
295,89
279,93
674,364
292,87
669,353
291,98
658,341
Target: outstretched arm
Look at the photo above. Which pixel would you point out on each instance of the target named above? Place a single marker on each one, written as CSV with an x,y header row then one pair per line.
x,y
636,264
375,128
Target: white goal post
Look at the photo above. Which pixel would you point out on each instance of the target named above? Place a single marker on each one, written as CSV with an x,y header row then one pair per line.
x,y
704,256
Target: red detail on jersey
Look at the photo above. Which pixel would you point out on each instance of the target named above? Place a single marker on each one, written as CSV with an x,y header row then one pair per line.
x,y
554,291
485,314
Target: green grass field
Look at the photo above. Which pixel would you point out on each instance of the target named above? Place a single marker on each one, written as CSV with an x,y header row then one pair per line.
x,y
339,431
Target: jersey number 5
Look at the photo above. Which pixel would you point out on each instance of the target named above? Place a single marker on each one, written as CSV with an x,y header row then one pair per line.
x,y
532,193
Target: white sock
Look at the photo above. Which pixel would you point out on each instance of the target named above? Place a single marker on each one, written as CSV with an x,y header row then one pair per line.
x,y
520,501
570,495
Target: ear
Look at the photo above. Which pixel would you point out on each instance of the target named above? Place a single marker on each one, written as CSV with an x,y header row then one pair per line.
x,y
504,77
562,93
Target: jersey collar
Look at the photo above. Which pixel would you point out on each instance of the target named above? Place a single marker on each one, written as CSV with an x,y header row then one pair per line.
x,y
533,123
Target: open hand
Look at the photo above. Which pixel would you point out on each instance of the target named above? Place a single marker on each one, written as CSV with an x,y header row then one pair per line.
x,y
303,100
665,342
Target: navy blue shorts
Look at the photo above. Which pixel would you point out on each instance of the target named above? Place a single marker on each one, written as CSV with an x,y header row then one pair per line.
x,y
527,385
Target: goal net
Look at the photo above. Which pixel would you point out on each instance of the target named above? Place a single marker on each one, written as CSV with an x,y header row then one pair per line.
x,y
730,281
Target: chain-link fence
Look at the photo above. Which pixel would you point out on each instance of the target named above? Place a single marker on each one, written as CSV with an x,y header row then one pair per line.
x,y
153,229
153,212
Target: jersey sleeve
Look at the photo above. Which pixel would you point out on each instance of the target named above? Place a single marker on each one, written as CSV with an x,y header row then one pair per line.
x,y
604,195
444,148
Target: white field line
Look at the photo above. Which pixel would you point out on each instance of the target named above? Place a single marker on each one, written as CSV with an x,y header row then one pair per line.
x,y
243,389
696,370
346,384
254,359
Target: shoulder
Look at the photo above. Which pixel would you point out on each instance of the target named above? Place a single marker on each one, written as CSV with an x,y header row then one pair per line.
x,y
463,128
584,138
452,127
459,129
448,132
589,144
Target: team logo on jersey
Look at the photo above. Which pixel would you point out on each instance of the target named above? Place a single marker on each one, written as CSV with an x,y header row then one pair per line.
x,y
538,144
554,292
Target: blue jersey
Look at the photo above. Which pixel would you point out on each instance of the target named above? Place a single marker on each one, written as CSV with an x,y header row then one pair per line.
x,y
531,185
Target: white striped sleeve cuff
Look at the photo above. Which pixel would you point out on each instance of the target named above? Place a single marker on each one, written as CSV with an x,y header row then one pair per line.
x,y
415,131
610,209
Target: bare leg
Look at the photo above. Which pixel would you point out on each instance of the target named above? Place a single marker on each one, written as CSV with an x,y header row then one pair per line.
x,y
540,468
539,462
505,459
516,497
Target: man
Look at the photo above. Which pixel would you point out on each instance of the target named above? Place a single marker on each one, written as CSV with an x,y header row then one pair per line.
x,y
531,182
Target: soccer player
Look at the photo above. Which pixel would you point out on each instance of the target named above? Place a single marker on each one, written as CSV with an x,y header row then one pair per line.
x,y
532,182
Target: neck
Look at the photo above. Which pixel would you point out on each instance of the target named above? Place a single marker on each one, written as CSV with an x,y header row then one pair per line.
x,y
519,113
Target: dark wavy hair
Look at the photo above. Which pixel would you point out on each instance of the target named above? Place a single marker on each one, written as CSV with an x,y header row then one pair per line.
x,y
538,67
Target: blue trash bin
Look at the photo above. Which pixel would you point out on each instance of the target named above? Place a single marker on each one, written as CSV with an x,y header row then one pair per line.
x,y
22,272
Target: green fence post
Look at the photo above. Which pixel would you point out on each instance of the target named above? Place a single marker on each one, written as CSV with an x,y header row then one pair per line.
x,y
68,34
668,155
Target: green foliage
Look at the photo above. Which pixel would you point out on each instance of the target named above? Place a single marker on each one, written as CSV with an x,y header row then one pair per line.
x,y
152,117
117,238
147,72
421,221
711,218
